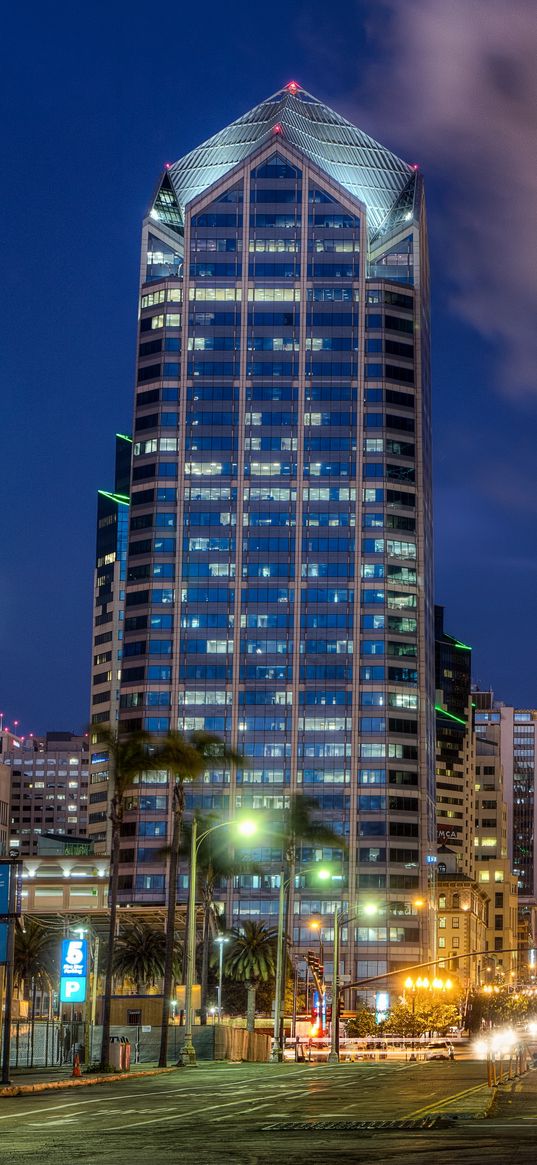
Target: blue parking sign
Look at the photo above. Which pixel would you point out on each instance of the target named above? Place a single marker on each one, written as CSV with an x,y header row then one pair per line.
x,y
74,970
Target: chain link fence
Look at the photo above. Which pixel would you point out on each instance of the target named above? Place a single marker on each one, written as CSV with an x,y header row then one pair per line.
x,y
52,1043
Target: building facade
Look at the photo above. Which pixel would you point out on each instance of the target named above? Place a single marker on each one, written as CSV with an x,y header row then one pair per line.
x,y
5,808
107,636
455,759
463,917
493,862
281,512
509,735
49,788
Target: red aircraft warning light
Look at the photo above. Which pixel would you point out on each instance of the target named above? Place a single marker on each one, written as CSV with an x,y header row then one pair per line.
x,y
293,87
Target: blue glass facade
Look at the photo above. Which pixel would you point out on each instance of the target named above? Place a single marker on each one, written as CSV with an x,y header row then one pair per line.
x,y
279,563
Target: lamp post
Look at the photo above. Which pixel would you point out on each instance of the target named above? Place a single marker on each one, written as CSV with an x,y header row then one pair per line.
x,y
276,1054
220,939
247,828
424,984
339,920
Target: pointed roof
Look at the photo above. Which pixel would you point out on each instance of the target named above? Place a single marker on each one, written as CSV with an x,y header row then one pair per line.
x,y
361,165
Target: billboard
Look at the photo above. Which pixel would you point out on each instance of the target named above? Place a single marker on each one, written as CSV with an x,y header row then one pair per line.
x,y
74,970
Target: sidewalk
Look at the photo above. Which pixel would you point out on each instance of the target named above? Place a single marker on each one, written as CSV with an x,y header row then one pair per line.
x,y
24,1082
518,1099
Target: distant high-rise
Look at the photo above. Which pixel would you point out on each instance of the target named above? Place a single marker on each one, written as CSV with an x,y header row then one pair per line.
x,y
107,639
515,731
49,787
455,761
280,551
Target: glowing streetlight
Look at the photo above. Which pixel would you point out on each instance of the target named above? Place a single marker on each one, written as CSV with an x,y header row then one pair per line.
x,y
220,939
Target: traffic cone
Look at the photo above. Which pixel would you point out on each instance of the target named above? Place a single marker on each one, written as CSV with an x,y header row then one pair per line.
x,y
76,1065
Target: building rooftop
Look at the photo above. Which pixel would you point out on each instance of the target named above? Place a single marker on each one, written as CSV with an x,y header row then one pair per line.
x,y
367,170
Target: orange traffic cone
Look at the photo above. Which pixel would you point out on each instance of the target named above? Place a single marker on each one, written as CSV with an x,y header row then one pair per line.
x,y
76,1065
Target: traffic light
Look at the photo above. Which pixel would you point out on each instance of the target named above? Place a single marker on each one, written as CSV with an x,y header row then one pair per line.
x,y
315,966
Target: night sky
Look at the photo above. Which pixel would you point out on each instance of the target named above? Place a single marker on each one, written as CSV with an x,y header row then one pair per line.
x,y
97,98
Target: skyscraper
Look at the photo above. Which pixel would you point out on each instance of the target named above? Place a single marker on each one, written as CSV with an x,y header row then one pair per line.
x,y
107,637
455,747
279,564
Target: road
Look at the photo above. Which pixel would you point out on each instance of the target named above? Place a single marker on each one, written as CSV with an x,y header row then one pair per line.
x,y
233,1113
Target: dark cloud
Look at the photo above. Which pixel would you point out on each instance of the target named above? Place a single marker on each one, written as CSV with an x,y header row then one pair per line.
x,y
461,78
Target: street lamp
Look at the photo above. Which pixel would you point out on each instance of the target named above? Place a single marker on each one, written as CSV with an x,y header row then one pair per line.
x,y
220,939
424,984
247,829
339,921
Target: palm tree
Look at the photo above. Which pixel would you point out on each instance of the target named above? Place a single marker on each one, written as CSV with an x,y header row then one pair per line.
x,y
217,861
187,759
35,954
297,825
35,963
252,960
128,757
140,952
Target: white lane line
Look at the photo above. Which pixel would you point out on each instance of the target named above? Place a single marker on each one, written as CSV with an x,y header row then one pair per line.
x,y
231,1116
184,1116
154,1095
140,1095
161,1119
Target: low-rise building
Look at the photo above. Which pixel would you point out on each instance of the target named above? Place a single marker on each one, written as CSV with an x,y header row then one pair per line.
x,y
462,918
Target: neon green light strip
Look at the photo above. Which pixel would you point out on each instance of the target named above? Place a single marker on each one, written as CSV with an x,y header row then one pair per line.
x,y
450,715
121,499
124,437
462,646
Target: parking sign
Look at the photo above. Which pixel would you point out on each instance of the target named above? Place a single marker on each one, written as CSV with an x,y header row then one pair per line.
x,y
74,970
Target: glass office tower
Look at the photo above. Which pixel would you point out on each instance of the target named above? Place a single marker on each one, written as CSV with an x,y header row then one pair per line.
x,y
279,586
107,637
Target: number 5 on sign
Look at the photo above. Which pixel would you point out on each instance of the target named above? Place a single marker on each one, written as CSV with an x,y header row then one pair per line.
x,y
74,970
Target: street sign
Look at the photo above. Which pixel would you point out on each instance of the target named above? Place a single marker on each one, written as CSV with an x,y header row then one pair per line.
x,y
74,970
4,908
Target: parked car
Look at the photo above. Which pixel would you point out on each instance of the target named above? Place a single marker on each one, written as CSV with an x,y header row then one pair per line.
x,y
439,1050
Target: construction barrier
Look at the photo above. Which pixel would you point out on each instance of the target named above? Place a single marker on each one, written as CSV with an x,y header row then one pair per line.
x,y
234,1043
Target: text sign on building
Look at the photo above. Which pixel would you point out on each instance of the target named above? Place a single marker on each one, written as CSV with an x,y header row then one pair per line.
x,y
4,909
5,877
74,970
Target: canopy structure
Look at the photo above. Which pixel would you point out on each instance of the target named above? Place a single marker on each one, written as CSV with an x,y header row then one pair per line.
x,y
377,177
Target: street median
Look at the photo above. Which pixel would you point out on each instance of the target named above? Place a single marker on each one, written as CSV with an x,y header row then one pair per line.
x,y
78,1082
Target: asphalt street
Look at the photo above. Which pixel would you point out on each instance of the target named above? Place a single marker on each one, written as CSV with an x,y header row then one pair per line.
x,y
241,1113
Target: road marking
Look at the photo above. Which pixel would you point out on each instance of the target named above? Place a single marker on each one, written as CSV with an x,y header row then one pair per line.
x,y
184,1116
153,1094
173,1117
444,1100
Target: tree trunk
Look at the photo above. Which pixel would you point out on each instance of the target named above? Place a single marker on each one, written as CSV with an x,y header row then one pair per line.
x,y
178,807
251,989
112,896
32,1030
290,871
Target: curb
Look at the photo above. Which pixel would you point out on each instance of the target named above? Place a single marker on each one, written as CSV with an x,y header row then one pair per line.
x,y
460,1106
82,1082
